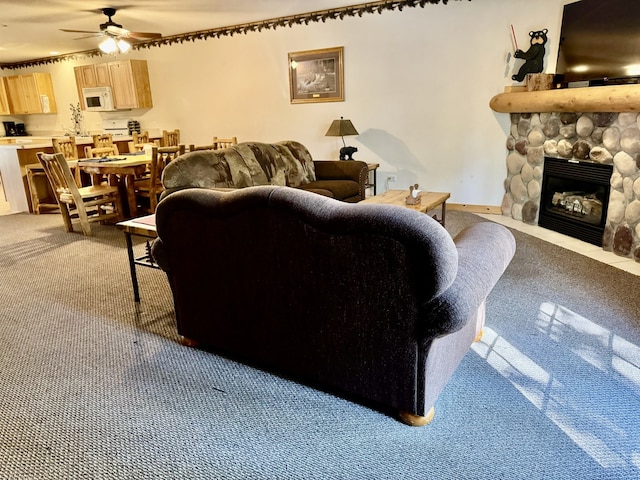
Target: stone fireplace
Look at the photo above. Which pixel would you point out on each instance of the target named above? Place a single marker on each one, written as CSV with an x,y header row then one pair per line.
x,y
559,131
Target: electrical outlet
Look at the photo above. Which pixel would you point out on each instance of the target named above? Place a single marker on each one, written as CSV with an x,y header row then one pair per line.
x,y
392,178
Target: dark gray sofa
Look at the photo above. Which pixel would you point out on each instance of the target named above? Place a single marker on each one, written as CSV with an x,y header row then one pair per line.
x,y
373,302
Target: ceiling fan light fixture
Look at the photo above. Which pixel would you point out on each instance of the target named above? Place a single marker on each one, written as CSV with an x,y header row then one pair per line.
x,y
123,46
108,45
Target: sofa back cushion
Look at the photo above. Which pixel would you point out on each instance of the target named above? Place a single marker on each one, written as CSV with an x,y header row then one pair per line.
x,y
246,164
262,163
205,169
299,165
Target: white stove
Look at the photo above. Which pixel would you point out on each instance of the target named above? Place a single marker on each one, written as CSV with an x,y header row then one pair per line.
x,y
117,128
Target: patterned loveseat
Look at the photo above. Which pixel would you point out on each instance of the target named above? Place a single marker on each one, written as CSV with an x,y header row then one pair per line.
x,y
249,164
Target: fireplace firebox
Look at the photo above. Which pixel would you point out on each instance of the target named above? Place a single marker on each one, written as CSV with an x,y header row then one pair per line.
x,y
575,198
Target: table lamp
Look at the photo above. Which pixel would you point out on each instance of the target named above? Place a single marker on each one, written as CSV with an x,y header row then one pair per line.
x,y
340,128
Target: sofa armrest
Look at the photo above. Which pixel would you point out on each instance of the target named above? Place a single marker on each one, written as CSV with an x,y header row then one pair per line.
x,y
340,170
485,249
158,252
353,170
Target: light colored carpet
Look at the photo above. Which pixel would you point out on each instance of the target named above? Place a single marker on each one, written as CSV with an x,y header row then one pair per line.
x,y
92,386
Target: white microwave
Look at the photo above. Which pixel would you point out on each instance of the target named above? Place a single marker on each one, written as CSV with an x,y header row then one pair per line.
x,y
97,99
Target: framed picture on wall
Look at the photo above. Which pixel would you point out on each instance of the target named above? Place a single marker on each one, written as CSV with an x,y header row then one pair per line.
x,y
316,75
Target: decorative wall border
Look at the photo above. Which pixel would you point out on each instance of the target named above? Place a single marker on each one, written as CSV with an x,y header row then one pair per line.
x,y
270,24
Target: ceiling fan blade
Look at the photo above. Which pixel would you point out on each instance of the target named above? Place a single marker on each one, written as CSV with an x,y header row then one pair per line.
x,y
144,35
124,33
117,31
78,31
95,35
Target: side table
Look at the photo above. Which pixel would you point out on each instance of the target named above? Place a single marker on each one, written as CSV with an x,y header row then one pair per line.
x,y
372,183
142,227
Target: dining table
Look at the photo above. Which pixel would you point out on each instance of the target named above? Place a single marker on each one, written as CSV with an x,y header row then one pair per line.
x,y
121,170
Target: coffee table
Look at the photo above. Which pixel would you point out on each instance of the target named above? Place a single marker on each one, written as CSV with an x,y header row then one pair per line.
x,y
428,201
143,227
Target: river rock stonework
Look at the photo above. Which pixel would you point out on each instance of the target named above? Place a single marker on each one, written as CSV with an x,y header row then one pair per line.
x,y
608,138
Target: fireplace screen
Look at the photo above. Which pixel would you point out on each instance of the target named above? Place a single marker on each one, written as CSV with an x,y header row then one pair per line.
x,y
575,196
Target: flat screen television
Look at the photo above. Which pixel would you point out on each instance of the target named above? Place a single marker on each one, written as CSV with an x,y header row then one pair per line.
x,y
600,42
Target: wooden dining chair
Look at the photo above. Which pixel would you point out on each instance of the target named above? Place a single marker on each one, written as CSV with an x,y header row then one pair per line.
x,y
218,143
142,137
99,152
102,140
84,204
149,188
224,142
171,138
195,148
139,140
68,147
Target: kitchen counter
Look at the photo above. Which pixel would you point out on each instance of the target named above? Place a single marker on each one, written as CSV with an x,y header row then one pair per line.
x,y
12,179
14,157
42,142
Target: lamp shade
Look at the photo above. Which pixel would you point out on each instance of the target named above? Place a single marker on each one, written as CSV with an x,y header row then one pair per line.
x,y
340,128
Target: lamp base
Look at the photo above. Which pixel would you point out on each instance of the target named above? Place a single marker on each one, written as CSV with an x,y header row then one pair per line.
x,y
346,153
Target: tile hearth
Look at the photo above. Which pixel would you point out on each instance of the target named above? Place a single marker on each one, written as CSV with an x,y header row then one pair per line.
x,y
570,243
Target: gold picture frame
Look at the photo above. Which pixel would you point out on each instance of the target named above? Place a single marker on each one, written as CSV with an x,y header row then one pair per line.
x,y
317,75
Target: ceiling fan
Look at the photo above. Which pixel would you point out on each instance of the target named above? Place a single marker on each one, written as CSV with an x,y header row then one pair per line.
x,y
115,41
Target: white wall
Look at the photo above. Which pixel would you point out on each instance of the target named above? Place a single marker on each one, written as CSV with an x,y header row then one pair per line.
x,y
417,87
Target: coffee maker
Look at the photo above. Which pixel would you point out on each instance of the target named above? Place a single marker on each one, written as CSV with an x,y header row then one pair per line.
x,y
10,129
13,129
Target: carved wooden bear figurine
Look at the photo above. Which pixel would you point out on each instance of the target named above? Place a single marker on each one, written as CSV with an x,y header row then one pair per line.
x,y
347,152
533,57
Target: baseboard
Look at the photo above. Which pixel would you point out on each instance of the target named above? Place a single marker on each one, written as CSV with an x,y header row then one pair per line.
x,y
463,207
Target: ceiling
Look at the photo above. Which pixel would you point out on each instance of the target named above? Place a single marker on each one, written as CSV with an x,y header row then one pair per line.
x,y
30,29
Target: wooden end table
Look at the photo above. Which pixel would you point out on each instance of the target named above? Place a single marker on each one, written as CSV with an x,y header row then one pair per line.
x,y
372,180
428,201
143,227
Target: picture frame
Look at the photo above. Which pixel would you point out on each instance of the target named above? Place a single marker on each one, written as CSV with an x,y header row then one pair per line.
x,y
317,75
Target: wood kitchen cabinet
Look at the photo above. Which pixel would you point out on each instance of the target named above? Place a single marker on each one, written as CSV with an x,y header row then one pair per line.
x,y
128,79
93,75
130,84
5,109
31,93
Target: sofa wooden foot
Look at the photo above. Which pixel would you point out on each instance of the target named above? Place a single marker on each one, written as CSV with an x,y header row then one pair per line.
x,y
187,342
479,336
417,420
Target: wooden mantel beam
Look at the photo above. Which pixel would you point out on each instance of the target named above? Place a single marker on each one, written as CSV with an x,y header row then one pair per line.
x,y
617,98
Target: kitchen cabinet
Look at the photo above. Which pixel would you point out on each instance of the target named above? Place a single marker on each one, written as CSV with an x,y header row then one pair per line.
x,y
128,79
4,99
93,75
130,84
31,93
